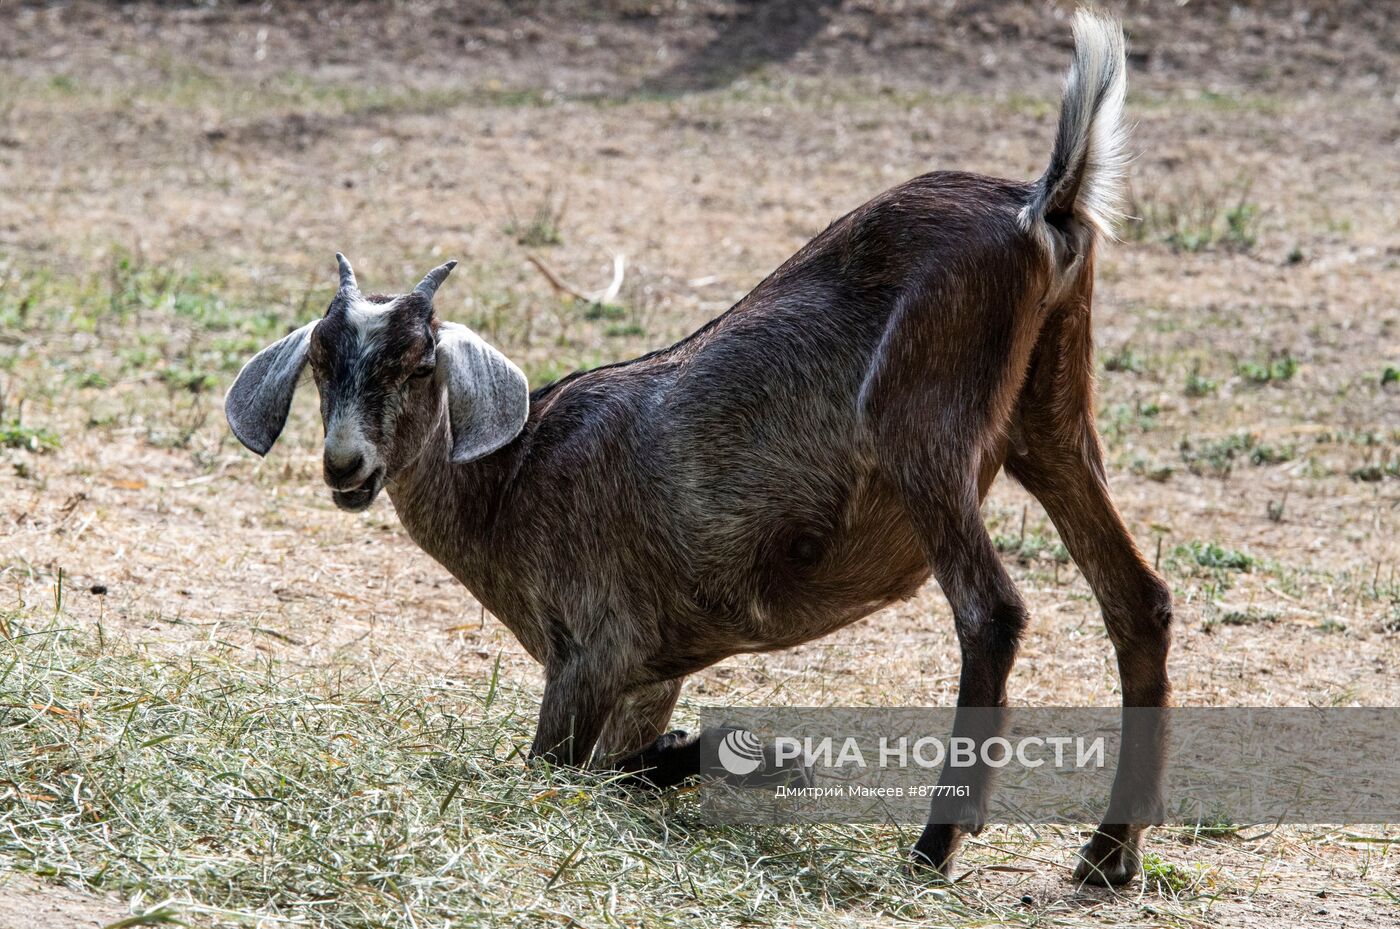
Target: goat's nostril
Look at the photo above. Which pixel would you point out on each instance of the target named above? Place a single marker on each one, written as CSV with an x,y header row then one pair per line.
x,y
340,470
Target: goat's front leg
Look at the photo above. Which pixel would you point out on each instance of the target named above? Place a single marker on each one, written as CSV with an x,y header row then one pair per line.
x,y
580,693
637,744
667,762
584,715
639,719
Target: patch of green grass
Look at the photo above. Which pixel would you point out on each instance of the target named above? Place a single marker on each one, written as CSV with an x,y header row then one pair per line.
x,y
1247,617
1161,473
1217,457
543,226
1375,473
92,379
15,307
1123,419
266,792
1231,102
173,326
1213,825
1125,359
1275,370
535,233
1031,546
1338,225
28,438
1197,219
183,85
196,382
1241,226
597,311
1210,555
1262,454
1168,878
1197,385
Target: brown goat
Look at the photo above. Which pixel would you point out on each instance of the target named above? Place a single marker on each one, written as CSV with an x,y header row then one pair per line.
x,y
810,456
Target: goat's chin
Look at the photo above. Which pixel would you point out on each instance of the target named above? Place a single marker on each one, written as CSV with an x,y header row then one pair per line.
x,y
355,501
359,499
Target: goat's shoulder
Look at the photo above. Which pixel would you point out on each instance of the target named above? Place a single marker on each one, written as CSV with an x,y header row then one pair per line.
x,y
593,399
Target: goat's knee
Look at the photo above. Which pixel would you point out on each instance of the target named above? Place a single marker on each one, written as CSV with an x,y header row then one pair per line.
x,y
1000,632
639,719
989,641
1140,626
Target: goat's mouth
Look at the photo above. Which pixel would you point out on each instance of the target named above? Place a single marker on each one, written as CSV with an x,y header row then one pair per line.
x,y
358,499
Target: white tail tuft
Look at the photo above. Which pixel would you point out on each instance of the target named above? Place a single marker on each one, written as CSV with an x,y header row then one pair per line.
x,y
1084,180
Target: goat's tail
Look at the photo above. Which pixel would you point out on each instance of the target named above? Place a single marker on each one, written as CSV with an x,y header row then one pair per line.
x,y
1086,167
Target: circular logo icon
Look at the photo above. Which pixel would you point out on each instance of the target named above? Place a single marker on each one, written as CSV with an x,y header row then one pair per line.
x,y
740,752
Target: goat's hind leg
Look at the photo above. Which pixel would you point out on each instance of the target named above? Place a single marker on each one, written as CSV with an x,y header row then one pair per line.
x,y
1058,458
990,617
940,449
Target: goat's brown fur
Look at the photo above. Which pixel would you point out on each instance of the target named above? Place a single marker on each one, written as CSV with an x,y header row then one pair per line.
x,y
805,459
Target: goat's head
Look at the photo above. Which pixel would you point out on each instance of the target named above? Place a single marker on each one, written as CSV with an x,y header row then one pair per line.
x,y
387,371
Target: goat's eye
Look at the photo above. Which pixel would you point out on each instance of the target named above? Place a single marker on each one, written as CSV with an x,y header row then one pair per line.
x,y
421,371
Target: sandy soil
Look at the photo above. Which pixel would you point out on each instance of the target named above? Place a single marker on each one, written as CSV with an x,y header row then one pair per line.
x,y
25,904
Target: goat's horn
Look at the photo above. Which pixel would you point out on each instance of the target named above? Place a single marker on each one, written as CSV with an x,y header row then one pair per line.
x,y
433,281
347,273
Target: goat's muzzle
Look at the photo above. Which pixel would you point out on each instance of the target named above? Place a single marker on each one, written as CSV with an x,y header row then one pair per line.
x,y
352,488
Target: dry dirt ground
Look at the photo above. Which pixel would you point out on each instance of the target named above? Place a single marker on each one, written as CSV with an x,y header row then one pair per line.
x,y
24,904
174,181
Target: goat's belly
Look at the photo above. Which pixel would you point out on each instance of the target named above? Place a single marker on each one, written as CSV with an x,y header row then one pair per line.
x,y
800,611
807,581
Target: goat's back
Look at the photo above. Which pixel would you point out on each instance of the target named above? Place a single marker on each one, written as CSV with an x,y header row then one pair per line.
x,y
733,492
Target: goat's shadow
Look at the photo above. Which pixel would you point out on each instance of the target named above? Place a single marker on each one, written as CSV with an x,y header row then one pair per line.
x,y
762,32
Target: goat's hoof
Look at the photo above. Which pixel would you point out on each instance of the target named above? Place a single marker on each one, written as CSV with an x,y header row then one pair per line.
x,y
1109,861
933,854
920,866
667,762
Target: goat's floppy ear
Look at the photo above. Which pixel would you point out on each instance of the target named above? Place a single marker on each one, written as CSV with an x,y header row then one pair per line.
x,y
488,398
261,396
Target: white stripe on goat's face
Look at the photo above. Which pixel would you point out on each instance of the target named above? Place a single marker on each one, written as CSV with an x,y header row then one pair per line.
x,y
347,435
368,319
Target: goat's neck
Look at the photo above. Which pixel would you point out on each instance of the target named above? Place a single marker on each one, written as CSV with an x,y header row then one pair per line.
x,y
448,508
